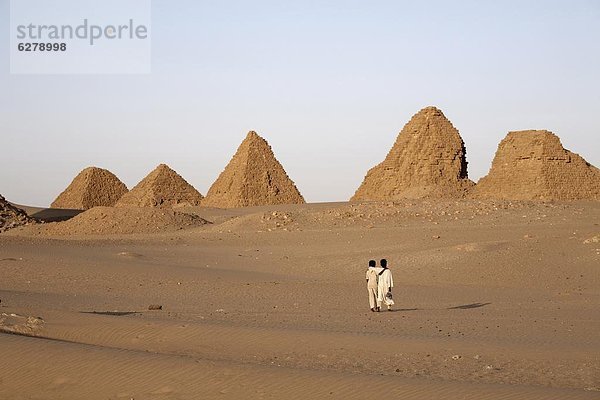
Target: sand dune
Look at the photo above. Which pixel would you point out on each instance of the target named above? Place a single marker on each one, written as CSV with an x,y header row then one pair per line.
x,y
78,371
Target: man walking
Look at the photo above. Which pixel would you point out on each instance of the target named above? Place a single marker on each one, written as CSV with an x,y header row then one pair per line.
x,y
372,284
384,286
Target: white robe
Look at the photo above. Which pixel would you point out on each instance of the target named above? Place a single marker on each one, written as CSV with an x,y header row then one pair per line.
x,y
385,282
372,286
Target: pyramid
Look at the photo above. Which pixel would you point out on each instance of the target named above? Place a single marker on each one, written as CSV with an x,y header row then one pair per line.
x,y
162,187
91,188
533,165
253,177
428,160
11,216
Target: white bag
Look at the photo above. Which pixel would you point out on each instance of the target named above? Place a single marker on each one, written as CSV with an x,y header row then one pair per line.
x,y
388,300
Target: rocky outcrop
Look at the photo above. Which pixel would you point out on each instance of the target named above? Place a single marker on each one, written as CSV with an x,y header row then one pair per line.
x,y
11,216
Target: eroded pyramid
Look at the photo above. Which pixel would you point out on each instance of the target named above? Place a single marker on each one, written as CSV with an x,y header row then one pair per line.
x,y
92,187
253,177
11,216
428,160
162,187
533,165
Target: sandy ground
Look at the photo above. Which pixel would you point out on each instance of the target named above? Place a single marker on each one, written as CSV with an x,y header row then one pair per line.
x,y
494,300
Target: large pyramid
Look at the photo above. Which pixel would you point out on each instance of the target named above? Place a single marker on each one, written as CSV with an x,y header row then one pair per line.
x,y
11,216
253,177
92,187
427,160
162,187
533,165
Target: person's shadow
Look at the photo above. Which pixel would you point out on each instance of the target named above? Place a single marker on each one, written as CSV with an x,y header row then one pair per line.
x,y
461,307
468,306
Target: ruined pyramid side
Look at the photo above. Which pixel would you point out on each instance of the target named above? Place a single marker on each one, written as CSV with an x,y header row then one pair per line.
x,y
11,216
253,177
533,165
428,159
161,187
92,187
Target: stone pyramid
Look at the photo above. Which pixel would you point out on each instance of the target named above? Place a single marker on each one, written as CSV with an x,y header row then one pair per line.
x,y
533,165
162,187
92,187
11,216
253,177
428,160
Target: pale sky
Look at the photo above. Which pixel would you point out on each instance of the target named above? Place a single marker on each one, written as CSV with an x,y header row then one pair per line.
x,y
329,84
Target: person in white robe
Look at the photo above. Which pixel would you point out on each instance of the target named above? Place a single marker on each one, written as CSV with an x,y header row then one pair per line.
x,y
372,272
384,286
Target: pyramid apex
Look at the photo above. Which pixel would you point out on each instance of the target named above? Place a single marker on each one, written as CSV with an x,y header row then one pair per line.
x,y
532,132
252,135
430,110
91,169
162,169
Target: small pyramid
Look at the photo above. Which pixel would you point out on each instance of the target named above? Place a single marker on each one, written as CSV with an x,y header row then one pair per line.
x,y
253,177
428,160
162,187
533,165
92,187
11,216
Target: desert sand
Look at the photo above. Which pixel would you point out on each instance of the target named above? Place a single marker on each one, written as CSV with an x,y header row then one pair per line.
x,y
494,300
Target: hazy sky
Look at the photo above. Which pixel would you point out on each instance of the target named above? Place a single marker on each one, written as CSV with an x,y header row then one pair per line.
x,y
329,84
